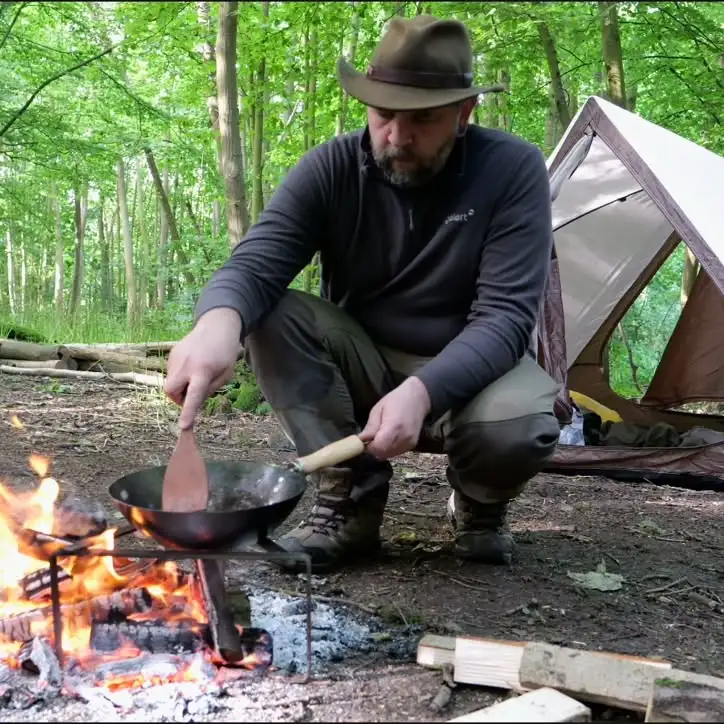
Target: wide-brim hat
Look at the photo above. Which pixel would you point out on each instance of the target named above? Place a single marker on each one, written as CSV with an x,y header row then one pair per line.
x,y
420,62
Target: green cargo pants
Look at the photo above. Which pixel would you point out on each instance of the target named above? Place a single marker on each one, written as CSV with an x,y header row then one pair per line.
x,y
322,374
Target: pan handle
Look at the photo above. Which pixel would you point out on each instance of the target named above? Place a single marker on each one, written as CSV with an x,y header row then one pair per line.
x,y
336,452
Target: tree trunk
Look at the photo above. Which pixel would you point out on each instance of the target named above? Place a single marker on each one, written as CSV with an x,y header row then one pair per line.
x,y
143,236
503,112
131,299
257,196
80,203
351,57
59,253
170,218
11,270
232,166
557,89
162,247
691,270
105,259
612,54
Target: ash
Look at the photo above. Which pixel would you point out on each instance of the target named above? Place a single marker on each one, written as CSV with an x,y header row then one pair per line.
x,y
338,633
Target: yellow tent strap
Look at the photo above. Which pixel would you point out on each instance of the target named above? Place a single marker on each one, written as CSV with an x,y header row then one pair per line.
x,y
606,414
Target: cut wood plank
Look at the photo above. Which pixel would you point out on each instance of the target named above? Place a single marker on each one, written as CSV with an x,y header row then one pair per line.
x,y
434,651
611,679
542,705
488,662
683,696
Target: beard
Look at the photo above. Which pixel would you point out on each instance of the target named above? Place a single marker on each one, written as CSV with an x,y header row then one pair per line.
x,y
419,171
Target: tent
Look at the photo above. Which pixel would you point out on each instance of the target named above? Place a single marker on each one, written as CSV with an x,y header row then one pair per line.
x,y
625,193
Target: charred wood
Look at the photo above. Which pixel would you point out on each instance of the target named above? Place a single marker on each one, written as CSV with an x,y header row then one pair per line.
x,y
23,626
149,636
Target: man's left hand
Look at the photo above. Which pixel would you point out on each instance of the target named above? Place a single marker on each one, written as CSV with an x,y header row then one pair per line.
x,y
395,422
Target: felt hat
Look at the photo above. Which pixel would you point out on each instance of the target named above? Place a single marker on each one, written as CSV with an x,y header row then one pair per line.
x,y
420,62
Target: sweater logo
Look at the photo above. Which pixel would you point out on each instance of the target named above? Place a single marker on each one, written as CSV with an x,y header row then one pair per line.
x,y
464,216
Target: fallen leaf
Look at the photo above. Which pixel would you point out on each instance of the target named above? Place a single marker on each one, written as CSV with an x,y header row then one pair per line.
x,y
598,580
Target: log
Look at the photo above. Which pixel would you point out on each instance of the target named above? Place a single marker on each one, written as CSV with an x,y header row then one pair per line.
x,y
15,349
542,705
147,349
23,626
150,636
683,696
32,364
135,378
130,362
614,680
433,651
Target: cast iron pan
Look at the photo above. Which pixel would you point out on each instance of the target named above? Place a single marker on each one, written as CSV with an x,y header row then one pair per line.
x,y
247,501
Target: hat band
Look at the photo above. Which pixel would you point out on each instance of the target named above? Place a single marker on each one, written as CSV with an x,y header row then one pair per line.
x,y
420,79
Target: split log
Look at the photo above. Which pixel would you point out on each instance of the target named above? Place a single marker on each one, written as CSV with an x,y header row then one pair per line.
x,y
683,696
433,651
135,378
15,349
542,705
614,680
23,626
130,362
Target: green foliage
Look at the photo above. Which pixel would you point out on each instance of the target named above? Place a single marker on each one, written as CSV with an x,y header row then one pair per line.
x,y
152,91
241,393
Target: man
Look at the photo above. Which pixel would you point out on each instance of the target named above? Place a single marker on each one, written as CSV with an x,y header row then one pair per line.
x,y
435,239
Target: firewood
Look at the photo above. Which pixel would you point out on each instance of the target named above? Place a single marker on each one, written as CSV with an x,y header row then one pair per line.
x,y
542,705
434,651
32,364
132,377
144,349
129,361
683,696
165,637
615,680
23,626
36,585
488,662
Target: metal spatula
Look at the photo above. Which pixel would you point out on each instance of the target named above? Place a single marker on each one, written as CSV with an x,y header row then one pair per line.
x,y
185,482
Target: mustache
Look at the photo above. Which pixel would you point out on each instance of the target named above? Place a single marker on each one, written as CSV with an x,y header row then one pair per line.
x,y
398,154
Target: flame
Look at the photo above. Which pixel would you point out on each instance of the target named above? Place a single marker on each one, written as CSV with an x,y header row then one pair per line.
x,y
27,527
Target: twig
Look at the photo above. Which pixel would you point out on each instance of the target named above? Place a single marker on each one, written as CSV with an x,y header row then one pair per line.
x,y
402,615
666,587
419,515
461,583
611,556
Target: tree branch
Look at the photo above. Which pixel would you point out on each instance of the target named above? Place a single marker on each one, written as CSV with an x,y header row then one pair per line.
x,y
12,22
46,83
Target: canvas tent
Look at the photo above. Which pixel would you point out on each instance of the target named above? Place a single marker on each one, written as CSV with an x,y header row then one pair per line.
x,y
625,192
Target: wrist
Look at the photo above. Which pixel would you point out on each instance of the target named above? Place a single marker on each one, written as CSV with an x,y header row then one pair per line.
x,y
421,391
218,316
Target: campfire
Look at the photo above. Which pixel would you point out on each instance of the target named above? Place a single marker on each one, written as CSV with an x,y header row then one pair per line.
x,y
73,614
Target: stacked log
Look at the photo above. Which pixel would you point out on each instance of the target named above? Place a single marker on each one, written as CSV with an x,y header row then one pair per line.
x,y
143,364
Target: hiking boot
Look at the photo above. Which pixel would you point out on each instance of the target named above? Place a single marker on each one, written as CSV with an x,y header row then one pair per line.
x,y
481,531
339,528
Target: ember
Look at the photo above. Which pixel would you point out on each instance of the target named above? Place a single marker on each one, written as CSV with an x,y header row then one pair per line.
x,y
120,622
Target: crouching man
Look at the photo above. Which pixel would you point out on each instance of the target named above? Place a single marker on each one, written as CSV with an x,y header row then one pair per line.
x,y
435,241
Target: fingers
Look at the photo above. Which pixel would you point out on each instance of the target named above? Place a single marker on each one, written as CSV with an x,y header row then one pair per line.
x,y
373,424
196,393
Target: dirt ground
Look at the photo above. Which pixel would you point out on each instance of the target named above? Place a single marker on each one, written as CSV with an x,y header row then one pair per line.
x,y
666,542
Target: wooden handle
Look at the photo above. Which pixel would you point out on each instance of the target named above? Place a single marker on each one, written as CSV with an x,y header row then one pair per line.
x,y
336,452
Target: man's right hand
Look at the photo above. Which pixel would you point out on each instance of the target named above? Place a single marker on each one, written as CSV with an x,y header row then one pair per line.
x,y
203,361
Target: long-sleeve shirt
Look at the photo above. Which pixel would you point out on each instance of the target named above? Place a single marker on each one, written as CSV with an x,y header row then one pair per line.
x,y
454,269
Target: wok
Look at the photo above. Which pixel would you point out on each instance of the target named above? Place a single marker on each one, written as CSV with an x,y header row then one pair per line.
x,y
247,501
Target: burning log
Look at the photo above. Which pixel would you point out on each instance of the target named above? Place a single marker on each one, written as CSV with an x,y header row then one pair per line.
x,y
36,585
150,636
21,627
37,657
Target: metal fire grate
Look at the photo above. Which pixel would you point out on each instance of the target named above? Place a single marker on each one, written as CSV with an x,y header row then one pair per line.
x,y
178,555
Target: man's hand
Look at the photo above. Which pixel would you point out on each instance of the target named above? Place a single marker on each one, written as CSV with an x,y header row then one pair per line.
x,y
396,421
203,361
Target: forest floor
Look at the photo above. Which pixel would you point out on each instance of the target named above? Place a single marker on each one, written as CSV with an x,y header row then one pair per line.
x,y
667,543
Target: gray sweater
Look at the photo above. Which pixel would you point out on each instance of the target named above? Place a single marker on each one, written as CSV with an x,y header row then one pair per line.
x,y
455,269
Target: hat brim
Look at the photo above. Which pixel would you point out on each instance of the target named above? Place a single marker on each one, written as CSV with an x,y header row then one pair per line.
x,y
395,97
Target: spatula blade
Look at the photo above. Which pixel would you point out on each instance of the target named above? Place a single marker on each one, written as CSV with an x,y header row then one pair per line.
x,y
185,483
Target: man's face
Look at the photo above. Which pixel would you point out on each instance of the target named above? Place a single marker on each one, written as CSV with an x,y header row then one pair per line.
x,y
412,146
